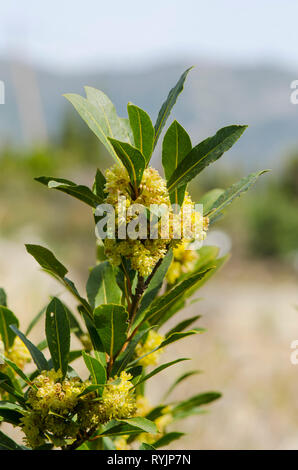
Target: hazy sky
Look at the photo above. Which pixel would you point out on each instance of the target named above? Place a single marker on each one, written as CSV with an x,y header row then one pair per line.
x,y
76,33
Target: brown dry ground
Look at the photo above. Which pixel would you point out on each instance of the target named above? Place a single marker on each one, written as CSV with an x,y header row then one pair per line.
x,y
249,311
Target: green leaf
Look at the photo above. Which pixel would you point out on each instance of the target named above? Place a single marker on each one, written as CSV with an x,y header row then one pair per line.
x,y
133,161
180,335
95,120
94,336
203,154
231,193
180,379
116,127
99,185
7,318
167,106
142,129
3,297
37,356
161,368
96,369
156,283
111,324
127,129
35,320
83,193
195,401
58,334
16,369
209,199
129,426
102,287
141,423
11,412
6,443
127,355
176,145
10,384
182,325
145,446
167,439
46,259
164,302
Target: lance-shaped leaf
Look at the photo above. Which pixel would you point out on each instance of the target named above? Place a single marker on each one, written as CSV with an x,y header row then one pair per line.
x,y
129,426
231,193
167,439
11,412
203,154
182,325
58,334
164,302
102,287
37,356
16,369
83,193
115,125
94,118
161,368
6,443
145,446
49,263
142,129
47,260
209,198
124,358
141,423
96,369
99,185
94,336
7,385
7,318
133,161
35,320
111,324
180,379
195,401
3,297
176,145
155,283
167,106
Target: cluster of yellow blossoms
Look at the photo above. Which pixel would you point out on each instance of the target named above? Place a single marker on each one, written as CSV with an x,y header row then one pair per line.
x,y
152,341
184,261
143,408
145,253
18,353
59,412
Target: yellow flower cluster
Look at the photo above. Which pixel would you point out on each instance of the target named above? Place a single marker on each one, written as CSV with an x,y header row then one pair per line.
x,y
145,253
53,403
18,353
152,341
184,261
143,408
59,413
161,423
118,398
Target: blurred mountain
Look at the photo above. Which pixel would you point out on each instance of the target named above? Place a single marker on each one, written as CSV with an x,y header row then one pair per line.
x,y
214,96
